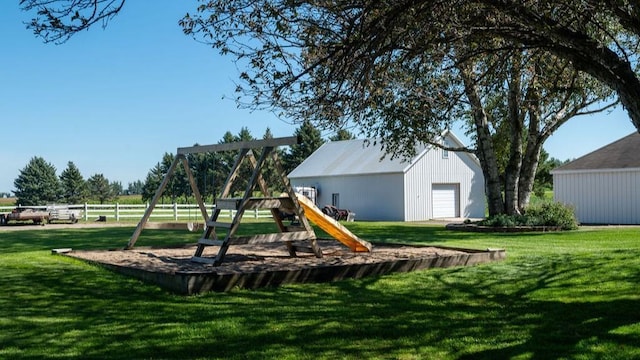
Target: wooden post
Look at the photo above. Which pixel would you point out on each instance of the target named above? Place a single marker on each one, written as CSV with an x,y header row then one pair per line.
x,y
152,205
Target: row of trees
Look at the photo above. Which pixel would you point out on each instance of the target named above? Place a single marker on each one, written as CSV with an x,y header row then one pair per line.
x,y
38,184
210,170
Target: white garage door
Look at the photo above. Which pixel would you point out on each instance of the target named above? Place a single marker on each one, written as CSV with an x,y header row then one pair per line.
x,y
446,200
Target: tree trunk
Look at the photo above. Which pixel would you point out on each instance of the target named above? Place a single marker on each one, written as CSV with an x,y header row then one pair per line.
x,y
512,169
485,151
528,172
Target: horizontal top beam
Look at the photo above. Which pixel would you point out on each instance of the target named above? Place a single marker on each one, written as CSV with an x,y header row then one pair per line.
x,y
253,144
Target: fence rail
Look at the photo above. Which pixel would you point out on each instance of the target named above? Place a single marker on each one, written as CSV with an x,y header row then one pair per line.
x,y
117,212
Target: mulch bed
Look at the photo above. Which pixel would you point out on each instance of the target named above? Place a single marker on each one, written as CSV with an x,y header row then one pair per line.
x,y
256,266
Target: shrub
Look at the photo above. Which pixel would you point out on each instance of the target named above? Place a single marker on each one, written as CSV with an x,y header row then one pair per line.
x,y
554,214
545,214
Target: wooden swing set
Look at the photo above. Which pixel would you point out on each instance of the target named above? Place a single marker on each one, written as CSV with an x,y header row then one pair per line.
x,y
300,238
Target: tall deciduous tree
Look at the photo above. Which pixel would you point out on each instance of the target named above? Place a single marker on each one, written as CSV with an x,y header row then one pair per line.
x,y
74,187
599,37
339,62
37,184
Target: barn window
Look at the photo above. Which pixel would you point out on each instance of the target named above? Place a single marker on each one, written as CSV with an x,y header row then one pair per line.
x,y
335,199
445,154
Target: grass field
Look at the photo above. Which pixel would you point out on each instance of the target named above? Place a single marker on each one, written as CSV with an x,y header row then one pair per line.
x,y
571,295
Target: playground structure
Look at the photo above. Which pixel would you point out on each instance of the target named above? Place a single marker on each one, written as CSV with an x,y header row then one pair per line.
x,y
299,238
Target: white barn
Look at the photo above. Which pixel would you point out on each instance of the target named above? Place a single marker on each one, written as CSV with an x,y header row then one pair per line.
x,y
434,184
603,186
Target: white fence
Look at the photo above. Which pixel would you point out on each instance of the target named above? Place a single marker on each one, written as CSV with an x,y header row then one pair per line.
x,y
117,212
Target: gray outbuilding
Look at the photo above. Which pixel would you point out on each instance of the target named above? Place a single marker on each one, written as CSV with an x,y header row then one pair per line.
x,y
603,186
434,184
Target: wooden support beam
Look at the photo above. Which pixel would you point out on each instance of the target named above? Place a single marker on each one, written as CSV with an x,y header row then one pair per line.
x,y
272,238
154,201
194,188
253,144
256,203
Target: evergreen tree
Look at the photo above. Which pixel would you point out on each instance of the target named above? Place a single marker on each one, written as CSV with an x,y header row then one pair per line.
x,y
116,189
228,158
269,172
544,179
74,187
99,188
202,167
310,140
135,188
178,184
152,182
342,134
37,184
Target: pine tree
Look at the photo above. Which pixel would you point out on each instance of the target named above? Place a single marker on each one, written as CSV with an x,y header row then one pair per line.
x,y
342,134
310,140
99,188
74,187
269,172
37,184
152,182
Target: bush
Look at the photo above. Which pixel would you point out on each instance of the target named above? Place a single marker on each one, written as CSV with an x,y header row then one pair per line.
x,y
545,214
554,214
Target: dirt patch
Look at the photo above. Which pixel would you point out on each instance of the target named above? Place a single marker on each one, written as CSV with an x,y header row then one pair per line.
x,y
254,266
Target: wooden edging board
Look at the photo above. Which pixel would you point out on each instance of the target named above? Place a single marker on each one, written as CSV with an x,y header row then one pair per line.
x,y
194,282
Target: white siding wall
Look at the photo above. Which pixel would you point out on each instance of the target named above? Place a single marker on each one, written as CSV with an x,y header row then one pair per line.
x,y
371,197
433,169
601,197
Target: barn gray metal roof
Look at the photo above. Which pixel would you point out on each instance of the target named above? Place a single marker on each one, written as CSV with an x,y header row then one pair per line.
x,y
621,154
350,157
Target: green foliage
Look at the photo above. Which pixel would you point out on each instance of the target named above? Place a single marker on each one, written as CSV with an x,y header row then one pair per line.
x,y
554,214
37,184
74,187
178,184
310,140
544,179
152,182
342,134
135,188
544,214
100,189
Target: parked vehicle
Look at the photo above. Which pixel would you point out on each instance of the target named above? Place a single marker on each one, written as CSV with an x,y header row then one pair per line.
x,y
22,215
63,214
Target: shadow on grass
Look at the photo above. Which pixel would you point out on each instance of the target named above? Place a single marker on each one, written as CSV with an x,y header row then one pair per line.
x,y
105,238
549,307
555,306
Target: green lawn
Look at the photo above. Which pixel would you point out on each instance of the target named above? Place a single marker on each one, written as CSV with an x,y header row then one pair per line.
x,y
572,295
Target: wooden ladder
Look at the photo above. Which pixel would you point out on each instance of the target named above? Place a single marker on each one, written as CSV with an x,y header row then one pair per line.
x,y
288,235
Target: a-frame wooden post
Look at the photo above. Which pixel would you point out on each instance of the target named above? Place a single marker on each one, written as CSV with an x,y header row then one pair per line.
x,y
240,205
180,158
287,234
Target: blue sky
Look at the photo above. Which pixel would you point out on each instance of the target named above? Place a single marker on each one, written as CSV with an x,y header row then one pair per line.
x,y
114,100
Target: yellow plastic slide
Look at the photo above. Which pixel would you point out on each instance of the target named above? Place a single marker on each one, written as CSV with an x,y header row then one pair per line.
x,y
332,227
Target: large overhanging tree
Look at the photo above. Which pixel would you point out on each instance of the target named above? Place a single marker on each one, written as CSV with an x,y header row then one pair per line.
x,y
599,37
401,69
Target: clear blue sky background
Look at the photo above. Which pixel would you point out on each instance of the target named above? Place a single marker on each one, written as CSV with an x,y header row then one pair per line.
x,y
114,100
